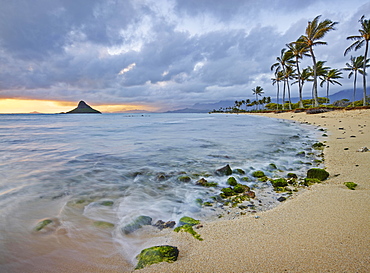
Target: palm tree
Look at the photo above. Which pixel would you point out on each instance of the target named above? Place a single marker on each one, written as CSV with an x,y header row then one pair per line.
x,y
305,76
321,71
283,61
298,50
330,76
258,91
278,78
315,30
289,72
355,66
360,40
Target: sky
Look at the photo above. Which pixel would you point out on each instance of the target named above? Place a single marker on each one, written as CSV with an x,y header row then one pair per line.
x,y
156,55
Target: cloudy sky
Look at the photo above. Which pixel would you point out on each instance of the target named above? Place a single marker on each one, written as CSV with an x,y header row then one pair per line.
x,y
156,54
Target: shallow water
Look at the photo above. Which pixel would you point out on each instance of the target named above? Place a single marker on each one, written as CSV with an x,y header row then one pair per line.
x,y
65,166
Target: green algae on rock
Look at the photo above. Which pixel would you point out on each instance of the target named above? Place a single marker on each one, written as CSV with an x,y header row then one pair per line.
x,y
186,220
42,224
280,182
232,181
189,229
258,174
350,185
316,173
136,224
103,224
157,254
107,203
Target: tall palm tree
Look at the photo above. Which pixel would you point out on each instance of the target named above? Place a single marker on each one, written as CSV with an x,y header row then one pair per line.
x,y
305,76
278,78
258,91
298,50
284,60
321,71
330,77
315,30
356,65
360,40
289,72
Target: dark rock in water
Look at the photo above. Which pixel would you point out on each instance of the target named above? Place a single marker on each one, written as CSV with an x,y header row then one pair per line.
x,y
161,225
224,170
157,254
83,108
136,224
281,199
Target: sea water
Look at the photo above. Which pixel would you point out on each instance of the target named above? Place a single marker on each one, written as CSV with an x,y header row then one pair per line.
x,y
79,170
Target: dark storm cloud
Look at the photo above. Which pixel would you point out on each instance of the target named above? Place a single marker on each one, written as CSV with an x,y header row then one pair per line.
x,y
167,52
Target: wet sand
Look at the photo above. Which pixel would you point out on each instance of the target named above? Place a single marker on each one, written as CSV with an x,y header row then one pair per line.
x,y
324,229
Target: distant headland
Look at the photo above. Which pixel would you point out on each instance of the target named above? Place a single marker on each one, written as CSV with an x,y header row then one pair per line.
x,y
83,108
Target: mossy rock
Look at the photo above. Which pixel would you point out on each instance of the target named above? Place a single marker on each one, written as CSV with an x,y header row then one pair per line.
x,y
103,224
292,175
258,174
224,170
227,192
232,181
239,171
316,173
184,178
310,181
157,254
107,203
272,166
318,146
245,178
263,179
42,224
280,182
239,188
186,220
350,185
136,224
208,204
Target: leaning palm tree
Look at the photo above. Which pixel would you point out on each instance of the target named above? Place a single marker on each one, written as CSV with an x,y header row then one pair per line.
x,y
321,71
289,72
330,77
360,40
278,78
356,65
284,60
305,76
258,91
298,50
315,30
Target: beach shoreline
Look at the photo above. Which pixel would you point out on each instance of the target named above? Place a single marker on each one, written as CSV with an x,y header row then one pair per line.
x,y
326,228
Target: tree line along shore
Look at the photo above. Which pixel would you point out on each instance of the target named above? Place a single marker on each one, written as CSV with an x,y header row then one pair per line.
x,y
288,71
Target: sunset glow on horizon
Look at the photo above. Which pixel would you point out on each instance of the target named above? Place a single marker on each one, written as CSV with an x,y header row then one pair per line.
x,y
24,106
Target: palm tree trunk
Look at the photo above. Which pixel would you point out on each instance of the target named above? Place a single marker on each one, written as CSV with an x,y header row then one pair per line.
x,y
290,103
354,89
364,75
277,97
327,92
283,95
299,84
314,89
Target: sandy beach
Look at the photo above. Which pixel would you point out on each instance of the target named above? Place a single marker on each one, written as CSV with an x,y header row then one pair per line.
x,y
324,229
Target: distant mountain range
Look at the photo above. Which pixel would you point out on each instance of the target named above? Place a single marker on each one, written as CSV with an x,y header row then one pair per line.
x,y
207,107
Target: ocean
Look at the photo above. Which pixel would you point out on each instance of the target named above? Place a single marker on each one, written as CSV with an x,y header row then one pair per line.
x,y
94,174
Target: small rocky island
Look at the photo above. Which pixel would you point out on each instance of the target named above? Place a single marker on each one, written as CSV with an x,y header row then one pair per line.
x,y
83,108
